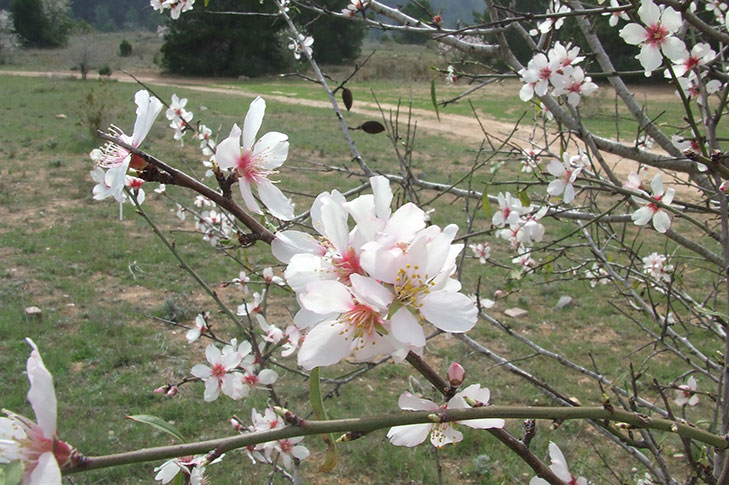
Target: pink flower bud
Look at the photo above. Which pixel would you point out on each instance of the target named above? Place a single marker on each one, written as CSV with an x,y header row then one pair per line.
x,y
498,294
236,424
173,390
456,374
723,187
161,389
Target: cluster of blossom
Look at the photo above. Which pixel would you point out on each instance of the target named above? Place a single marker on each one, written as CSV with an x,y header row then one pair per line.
x,y
531,160
176,7
36,446
192,469
553,22
179,117
597,275
558,68
441,433
214,226
524,228
232,371
654,265
354,7
286,449
301,45
368,290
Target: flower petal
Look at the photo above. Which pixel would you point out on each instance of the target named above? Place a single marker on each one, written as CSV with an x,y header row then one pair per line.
x,y
42,396
452,312
252,123
275,201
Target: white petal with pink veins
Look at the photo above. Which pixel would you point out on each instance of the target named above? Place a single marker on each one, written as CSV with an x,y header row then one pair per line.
x,y
148,107
228,152
42,396
661,221
451,312
326,296
369,291
410,402
642,216
46,471
633,34
247,194
326,344
252,123
271,150
289,243
410,435
275,201
406,329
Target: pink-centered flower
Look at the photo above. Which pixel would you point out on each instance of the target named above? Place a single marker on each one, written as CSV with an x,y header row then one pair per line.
x,y
565,176
254,161
559,467
652,212
656,37
686,393
445,433
36,444
221,374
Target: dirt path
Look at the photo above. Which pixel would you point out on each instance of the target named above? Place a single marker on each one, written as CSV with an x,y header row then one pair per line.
x,y
462,128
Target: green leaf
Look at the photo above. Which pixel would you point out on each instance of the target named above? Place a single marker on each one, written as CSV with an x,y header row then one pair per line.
x,y
487,205
11,473
206,3
179,479
317,405
158,423
524,198
433,99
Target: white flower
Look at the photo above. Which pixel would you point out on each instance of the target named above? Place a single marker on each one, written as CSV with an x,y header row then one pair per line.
x,y
572,83
441,434
482,251
655,266
221,375
118,159
301,44
565,177
193,468
650,211
254,161
616,14
700,55
36,445
200,326
686,393
559,467
656,38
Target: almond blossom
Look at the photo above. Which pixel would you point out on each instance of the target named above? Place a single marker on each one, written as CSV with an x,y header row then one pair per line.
x,y
686,393
616,14
652,212
559,468
572,83
482,251
565,177
302,44
287,449
222,374
700,55
655,266
118,159
354,7
445,433
201,326
510,210
657,37
192,468
36,445
254,161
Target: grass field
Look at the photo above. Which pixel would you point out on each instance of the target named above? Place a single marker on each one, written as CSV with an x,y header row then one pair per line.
x,y
100,282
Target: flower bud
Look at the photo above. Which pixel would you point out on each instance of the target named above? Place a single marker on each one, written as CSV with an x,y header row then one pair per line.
x,y
173,391
456,374
162,389
498,294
